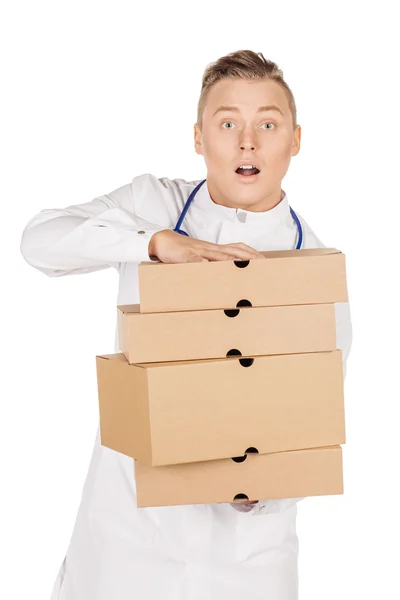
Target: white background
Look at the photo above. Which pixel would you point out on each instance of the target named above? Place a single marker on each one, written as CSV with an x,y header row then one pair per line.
x,y
95,93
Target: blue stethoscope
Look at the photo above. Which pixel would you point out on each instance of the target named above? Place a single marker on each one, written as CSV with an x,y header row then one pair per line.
x,y
189,201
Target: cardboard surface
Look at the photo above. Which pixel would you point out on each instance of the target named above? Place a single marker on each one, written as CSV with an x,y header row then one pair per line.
x,y
188,411
315,276
192,335
312,472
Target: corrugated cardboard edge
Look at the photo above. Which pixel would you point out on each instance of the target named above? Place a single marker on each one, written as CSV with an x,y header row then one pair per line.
x,y
124,417
128,309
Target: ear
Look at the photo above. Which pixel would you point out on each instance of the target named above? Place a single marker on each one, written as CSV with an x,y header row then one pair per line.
x,y
197,140
296,141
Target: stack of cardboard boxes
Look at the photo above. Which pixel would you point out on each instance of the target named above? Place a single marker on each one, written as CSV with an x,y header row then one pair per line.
x,y
229,384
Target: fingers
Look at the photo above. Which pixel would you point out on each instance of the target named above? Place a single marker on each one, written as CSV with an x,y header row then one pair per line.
x,y
220,255
196,258
238,249
241,251
174,248
244,248
234,251
243,507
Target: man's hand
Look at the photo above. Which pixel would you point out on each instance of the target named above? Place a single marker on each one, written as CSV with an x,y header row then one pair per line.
x,y
246,506
171,247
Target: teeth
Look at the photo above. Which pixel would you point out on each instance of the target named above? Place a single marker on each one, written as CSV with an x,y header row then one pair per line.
x,y
247,167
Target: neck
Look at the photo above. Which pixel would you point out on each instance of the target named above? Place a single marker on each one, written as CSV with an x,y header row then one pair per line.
x,y
264,204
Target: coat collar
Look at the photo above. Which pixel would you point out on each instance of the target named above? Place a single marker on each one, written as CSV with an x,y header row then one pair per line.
x,y
268,219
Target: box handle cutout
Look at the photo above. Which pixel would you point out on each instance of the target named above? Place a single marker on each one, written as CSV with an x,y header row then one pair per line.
x,y
240,497
240,459
246,362
233,352
243,303
232,313
241,264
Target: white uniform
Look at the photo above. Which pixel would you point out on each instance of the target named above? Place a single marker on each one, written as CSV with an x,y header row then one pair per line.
x,y
198,552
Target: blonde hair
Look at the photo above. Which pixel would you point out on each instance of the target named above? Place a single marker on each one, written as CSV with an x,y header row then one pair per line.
x,y
243,64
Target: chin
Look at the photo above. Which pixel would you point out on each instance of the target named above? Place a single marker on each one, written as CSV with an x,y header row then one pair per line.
x,y
250,192
245,201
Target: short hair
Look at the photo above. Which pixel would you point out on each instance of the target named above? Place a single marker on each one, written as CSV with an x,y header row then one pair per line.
x,y
243,64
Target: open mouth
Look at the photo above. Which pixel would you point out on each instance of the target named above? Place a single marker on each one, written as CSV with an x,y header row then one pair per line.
x,y
247,171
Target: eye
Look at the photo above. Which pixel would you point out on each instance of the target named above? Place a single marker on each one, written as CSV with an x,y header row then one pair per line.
x,y
269,124
227,123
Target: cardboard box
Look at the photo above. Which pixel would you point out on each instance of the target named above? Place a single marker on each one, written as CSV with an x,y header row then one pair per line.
x,y
312,472
188,411
189,335
287,277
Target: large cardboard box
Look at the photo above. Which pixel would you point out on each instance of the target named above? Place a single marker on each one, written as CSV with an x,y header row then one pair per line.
x,y
188,411
287,277
188,335
311,472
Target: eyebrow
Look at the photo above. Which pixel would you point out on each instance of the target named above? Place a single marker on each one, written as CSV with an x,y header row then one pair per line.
x,y
268,107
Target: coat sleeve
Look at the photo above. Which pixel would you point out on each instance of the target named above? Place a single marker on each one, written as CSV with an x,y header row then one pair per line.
x,y
344,336
88,237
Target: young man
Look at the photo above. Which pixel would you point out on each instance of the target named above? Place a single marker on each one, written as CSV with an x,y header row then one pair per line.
x,y
247,132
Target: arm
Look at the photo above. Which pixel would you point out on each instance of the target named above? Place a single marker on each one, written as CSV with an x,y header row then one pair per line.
x,y
108,231
88,237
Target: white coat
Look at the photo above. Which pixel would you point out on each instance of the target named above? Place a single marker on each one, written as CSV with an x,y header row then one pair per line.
x,y
197,552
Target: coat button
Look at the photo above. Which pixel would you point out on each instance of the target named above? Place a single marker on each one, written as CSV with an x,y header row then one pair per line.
x,y
141,232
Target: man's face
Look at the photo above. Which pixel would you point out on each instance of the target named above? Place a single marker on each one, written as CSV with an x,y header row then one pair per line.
x,y
238,128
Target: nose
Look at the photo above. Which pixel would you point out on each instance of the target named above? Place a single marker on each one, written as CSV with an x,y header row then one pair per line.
x,y
245,146
247,141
